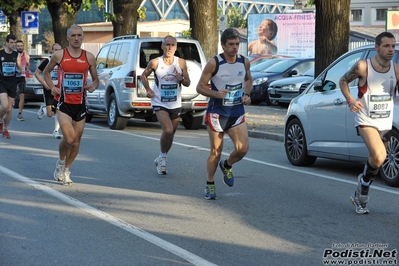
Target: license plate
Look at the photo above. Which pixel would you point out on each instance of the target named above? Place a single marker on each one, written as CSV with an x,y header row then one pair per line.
x,y
38,91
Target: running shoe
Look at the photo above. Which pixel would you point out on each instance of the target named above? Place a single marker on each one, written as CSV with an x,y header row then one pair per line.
x,y
67,180
59,171
6,135
40,113
160,163
210,192
360,197
56,135
20,117
228,177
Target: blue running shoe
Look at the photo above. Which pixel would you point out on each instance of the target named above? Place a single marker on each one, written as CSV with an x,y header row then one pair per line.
x,y
210,192
228,177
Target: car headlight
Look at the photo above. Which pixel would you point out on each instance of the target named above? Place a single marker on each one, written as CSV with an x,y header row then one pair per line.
x,y
289,87
259,81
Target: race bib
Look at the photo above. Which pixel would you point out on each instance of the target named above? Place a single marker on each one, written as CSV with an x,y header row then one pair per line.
x,y
233,97
73,82
8,69
54,76
169,92
380,106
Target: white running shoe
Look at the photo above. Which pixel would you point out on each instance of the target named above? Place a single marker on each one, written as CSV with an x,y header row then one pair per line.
x,y
56,135
20,117
59,171
360,197
40,113
160,163
67,180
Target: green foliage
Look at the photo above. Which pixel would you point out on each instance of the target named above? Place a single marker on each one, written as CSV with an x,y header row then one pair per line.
x,y
310,3
109,16
234,17
187,33
140,15
8,6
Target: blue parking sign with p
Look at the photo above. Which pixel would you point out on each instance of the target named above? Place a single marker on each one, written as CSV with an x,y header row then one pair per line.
x,y
30,22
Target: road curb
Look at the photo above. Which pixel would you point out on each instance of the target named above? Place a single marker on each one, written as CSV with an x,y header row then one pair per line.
x,y
265,135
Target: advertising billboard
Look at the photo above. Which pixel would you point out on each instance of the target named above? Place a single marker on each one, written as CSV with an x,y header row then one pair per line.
x,y
393,23
291,34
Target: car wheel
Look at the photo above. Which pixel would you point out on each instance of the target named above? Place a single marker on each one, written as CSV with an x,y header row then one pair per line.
x,y
274,103
89,117
255,102
267,99
190,122
295,145
115,121
389,170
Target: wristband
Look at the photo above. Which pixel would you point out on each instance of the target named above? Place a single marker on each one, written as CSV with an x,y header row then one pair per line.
x,y
351,100
246,94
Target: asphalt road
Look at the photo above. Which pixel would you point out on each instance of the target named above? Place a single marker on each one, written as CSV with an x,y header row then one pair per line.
x,y
121,212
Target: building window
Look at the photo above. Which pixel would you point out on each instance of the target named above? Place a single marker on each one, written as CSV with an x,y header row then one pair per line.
x,y
381,14
356,15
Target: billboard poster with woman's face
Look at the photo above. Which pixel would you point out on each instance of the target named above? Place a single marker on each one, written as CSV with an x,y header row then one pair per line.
x,y
290,34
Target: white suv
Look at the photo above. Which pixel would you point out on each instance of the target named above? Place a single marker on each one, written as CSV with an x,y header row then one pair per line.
x,y
121,94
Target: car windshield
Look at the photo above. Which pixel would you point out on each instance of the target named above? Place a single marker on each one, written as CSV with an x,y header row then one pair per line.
x,y
152,49
281,66
264,65
34,62
309,73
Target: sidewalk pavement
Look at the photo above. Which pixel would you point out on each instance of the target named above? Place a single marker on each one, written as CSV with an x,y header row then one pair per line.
x,y
266,126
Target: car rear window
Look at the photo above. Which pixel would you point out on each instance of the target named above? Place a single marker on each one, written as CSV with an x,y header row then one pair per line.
x,y
151,50
35,62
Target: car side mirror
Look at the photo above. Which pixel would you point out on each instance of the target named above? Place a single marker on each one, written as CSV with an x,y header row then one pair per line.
x,y
329,85
293,72
101,66
318,85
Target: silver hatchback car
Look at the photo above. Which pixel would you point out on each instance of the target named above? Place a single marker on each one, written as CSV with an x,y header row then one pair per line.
x,y
319,123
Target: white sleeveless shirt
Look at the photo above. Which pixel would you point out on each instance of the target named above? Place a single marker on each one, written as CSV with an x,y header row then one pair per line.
x,y
377,96
167,89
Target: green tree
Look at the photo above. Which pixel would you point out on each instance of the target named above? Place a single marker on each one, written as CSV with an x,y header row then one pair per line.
x,y
125,16
63,14
332,31
12,9
203,24
235,18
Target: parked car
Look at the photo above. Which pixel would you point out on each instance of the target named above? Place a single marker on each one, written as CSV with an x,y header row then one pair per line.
x,y
256,59
121,94
285,68
282,91
265,64
34,89
319,123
